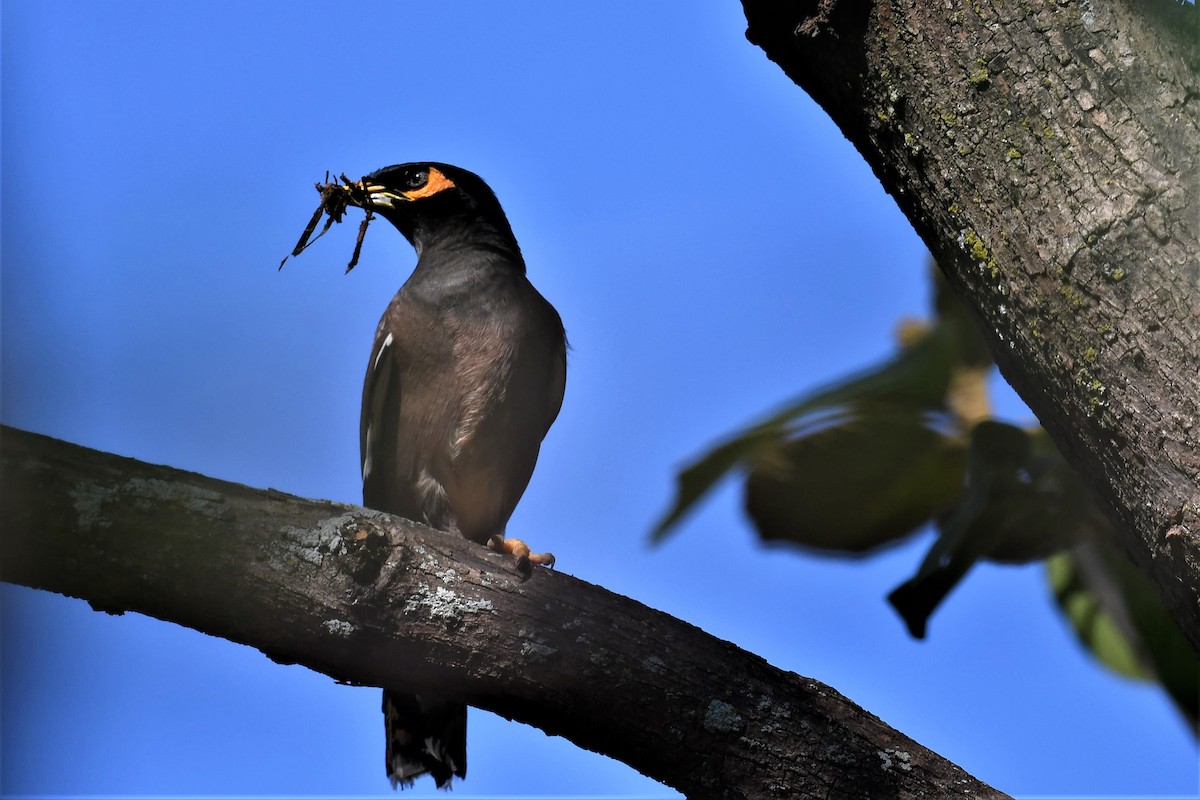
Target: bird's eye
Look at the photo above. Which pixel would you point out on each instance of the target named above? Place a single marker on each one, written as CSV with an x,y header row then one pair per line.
x,y
417,179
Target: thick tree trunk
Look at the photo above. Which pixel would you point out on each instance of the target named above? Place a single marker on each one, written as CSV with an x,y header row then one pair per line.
x,y
1047,152
372,599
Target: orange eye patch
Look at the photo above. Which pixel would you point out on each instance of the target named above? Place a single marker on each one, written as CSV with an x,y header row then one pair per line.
x,y
437,182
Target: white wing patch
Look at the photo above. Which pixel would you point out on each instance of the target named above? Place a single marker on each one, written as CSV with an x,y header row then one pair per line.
x,y
368,446
387,342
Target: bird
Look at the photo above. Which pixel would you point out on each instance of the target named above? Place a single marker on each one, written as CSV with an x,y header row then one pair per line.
x,y
466,375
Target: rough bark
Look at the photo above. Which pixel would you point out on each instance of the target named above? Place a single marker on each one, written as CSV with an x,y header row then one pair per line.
x,y
372,599
1047,152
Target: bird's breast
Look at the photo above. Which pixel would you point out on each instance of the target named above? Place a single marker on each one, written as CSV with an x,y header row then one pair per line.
x,y
485,359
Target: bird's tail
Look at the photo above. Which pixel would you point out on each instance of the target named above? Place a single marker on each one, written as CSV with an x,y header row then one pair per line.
x,y
424,735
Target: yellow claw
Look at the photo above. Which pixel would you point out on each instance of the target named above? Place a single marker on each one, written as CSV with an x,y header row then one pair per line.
x,y
521,552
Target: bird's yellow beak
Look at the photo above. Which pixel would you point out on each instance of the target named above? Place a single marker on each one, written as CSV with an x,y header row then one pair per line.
x,y
379,196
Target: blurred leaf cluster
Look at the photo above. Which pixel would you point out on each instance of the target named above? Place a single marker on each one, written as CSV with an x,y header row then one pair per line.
x,y
868,461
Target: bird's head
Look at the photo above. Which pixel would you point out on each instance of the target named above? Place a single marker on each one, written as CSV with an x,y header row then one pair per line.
x,y
431,203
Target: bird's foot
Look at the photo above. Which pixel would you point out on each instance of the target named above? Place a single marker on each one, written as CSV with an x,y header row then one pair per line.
x,y
520,551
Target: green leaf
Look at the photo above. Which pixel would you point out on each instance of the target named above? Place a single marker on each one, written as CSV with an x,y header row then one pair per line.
x,y
1020,502
868,480
1116,614
698,479
915,380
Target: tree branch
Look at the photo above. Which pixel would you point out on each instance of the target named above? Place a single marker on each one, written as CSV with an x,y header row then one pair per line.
x,y
1047,153
372,599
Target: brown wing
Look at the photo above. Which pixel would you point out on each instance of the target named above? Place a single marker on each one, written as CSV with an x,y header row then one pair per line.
x,y
407,414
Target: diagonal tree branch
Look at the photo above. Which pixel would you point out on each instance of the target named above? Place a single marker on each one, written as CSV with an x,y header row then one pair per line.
x,y
1048,153
372,599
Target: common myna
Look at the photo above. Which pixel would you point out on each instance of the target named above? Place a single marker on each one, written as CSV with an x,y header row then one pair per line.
x,y
465,377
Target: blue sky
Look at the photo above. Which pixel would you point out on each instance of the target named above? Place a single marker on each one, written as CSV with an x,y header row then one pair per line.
x,y
714,246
